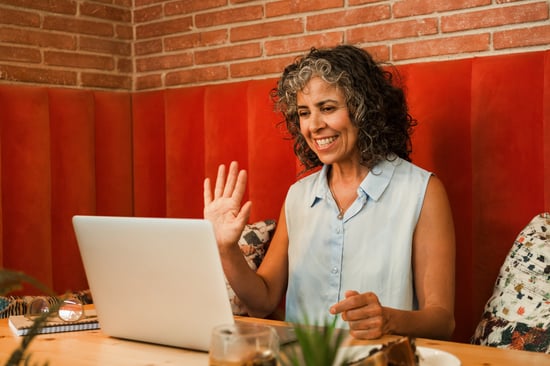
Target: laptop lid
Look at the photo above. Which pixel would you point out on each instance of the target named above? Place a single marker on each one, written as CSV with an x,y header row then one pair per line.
x,y
157,280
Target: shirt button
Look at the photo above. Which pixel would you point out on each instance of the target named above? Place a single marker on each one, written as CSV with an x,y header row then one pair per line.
x,y
334,270
337,230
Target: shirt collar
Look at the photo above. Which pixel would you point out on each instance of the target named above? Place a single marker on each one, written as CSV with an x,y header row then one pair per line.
x,y
373,186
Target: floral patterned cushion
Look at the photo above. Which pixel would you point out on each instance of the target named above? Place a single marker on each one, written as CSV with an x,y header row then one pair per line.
x,y
517,315
254,242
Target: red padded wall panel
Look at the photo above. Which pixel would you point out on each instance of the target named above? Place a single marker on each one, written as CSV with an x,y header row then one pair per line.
x,y
25,175
438,94
507,155
225,126
149,142
185,146
546,132
271,161
72,179
113,154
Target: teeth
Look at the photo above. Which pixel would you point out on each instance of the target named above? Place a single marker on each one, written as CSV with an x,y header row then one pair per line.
x,y
325,141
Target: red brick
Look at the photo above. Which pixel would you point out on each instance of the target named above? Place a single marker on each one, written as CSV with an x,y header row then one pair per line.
x,y
78,60
494,17
198,39
20,54
164,62
37,75
393,30
361,2
267,29
57,6
106,81
125,65
75,25
441,46
304,43
164,28
348,17
294,7
234,15
407,8
148,14
105,12
260,67
125,32
140,3
196,75
380,53
106,46
148,47
188,7
148,82
222,54
241,1
126,3
524,37
37,38
17,17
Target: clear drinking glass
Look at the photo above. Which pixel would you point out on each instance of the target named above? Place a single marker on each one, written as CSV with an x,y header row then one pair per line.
x,y
244,344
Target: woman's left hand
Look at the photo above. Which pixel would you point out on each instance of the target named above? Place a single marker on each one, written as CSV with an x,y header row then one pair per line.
x,y
363,313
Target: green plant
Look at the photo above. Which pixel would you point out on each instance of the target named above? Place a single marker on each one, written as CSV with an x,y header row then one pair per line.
x,y
11,281
318,345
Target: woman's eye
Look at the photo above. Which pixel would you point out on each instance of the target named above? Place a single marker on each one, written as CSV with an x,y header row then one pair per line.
x,y
303,114
328,109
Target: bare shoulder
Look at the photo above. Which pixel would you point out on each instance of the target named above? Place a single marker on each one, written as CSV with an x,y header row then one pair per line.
x,y
435,225
436,200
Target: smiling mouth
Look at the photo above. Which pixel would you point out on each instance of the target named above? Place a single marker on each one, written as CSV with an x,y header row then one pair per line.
x,y
325,141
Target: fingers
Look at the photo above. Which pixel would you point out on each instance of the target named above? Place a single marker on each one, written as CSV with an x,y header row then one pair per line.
x,y
239,188
220,182
346,304
231,179
365,324
206,192
363,313
230,185
371,329
234,183
244,213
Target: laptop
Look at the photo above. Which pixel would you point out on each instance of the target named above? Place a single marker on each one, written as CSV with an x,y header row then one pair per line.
x,y
156,280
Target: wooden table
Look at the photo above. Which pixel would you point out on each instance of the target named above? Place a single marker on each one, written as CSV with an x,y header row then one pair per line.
x,y
95,348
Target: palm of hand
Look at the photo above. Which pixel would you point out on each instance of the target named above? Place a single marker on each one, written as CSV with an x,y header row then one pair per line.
x,y
223,208
223,213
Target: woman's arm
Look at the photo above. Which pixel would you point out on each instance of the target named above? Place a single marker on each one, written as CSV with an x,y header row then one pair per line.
x,y
260,291
262,298
434,281
434,271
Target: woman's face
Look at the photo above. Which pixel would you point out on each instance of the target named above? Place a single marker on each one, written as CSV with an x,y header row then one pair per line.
x,y
325,122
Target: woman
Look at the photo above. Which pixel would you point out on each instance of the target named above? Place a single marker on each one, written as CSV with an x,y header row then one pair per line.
x,y
370,235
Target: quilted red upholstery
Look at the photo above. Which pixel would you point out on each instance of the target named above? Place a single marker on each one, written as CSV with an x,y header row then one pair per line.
x,y
484,129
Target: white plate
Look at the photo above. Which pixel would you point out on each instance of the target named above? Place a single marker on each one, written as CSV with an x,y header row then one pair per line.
x,y
428,356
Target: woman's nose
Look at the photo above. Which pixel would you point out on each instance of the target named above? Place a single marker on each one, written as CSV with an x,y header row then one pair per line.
x,y
316,121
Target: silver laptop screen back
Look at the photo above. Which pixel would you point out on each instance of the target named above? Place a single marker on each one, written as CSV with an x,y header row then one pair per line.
x,y
156,280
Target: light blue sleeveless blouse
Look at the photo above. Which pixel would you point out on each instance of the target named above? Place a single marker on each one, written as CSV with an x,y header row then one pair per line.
x,y
368,250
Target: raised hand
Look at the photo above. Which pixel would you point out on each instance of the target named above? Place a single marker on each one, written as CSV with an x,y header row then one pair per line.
x,y
224,209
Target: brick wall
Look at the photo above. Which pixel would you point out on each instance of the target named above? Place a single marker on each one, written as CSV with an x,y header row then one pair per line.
x,y
153,44
66,42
